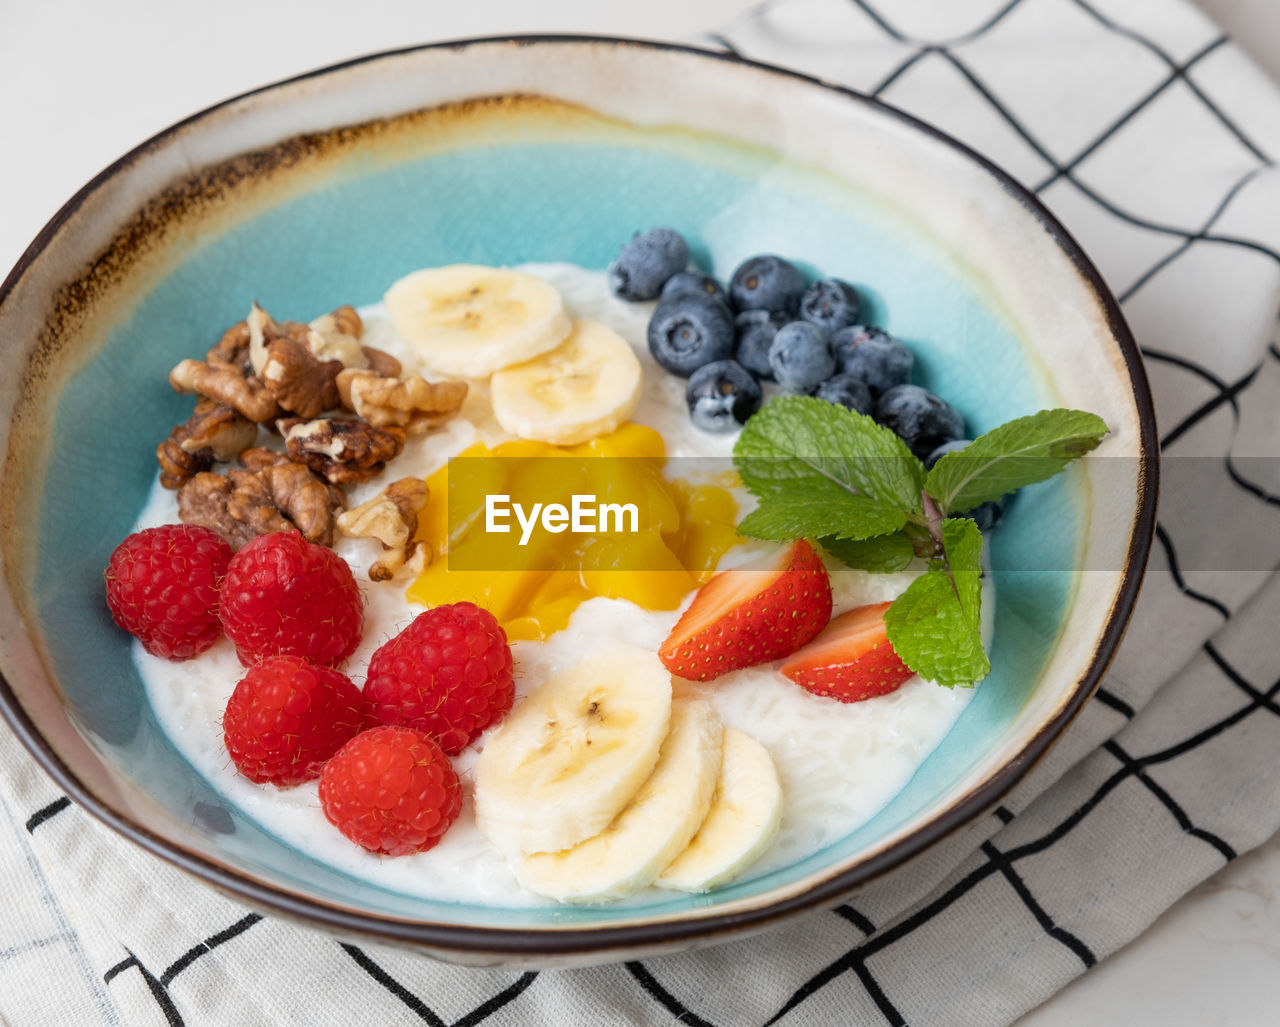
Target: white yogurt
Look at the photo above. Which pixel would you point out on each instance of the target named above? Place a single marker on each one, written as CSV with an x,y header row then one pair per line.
x,y
839,763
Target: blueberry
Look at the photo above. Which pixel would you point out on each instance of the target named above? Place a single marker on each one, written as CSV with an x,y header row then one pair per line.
x,y
721,396
755,330
646,262
801,356
922,420
953,446
690,330
831,304
986,516
766,283
694,281
872,355
850,392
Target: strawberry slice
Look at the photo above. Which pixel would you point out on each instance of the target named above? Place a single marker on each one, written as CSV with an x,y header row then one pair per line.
x,y
743,617
851,659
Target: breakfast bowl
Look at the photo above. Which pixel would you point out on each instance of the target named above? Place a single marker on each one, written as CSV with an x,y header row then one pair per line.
x,y
323,190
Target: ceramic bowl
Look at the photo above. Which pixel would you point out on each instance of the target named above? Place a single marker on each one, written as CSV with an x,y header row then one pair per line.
x,y
500,151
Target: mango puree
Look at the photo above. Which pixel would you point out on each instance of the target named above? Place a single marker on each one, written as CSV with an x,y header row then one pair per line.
x,y
684,530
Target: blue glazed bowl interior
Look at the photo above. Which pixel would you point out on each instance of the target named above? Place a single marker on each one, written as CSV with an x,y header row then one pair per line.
x,y
545,196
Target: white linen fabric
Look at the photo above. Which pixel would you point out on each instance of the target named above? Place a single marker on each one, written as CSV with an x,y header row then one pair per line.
x,y
1152,138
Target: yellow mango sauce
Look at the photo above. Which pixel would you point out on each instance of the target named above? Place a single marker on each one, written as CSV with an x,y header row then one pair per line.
x,y
683,530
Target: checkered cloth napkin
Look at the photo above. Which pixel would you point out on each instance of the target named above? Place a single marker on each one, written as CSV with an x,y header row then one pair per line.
x,y
1152,138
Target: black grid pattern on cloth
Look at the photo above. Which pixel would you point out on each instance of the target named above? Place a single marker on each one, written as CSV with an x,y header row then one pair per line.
x,y
419,1006
46,812
1003,867
1225,393
159,986
1004,863
63,938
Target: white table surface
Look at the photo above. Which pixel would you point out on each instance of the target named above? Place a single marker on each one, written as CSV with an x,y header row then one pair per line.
x,y
82,82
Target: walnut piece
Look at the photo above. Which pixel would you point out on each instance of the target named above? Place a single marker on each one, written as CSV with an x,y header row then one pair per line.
x,y
300,383
392,518
258,323
215,431
336,336
272,493
339,450
221,429
202,500
412,403
381,362
205,500
177,466
344,320
295,492
233,348
263,331
260,456
332,336
224,383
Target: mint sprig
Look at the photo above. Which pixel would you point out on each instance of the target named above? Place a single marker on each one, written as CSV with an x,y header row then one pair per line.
x,y
825,508
1019,452
794,442
882,554
823,472
935,626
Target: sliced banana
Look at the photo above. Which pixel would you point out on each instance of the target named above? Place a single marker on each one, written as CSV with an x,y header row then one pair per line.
x,y
658,823
573,753
740,825
586,386
467,321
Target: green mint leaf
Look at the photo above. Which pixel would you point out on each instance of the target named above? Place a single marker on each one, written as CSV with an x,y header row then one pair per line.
x,y
813,509
935,625
1019,452
796,441
882,555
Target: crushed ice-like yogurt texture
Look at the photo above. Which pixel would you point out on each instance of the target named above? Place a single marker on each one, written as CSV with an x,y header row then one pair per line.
x,y
838,763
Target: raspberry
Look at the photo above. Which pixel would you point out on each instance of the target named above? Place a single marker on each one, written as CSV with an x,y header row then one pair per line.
x,y
448,674
162,588
285,596
286,717
391,789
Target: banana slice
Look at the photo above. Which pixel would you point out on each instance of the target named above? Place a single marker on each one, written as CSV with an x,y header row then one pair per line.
x,y
586,386
657,825
740,825
467,321
572,754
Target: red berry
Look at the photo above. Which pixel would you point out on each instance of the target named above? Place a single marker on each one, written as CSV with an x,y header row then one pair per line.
x,y
851,660
286,596
391,789
162,588
747,616
287,716
448,674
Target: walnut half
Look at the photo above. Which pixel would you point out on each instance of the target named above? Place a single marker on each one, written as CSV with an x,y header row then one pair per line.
x,y
214,432
412,403
225,384
336,336
340,450
271,493
392,518
300,383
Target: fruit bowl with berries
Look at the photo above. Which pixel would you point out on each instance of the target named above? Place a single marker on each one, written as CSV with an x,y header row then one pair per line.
x,y
542,515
